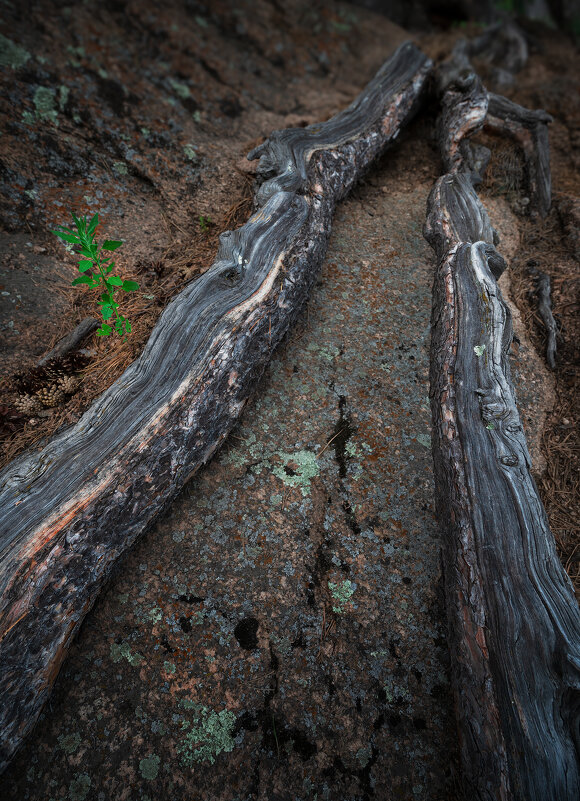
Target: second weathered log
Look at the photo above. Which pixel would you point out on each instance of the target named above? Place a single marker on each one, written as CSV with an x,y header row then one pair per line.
x,y
514,624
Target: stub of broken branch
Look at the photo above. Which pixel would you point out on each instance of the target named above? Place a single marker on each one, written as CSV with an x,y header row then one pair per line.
x,y
68,512
544,297
513,619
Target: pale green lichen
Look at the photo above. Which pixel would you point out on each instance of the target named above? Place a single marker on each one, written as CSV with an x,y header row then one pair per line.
x,y
123,651
350,449
341,593
69,742
169,667
120,167
189,151
45,104
180,89
79,787
298,469
11,54
149,767
63,93
424,439
208,736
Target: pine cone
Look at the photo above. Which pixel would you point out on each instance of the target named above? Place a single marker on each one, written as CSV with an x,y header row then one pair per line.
x,y
50,396
28,405
69,384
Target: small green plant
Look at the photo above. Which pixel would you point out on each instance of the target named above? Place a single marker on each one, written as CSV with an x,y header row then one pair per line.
x,y
97,269
204,223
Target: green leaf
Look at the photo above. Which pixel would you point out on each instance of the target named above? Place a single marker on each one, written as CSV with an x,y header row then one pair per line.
x,y
67,237
111,244
104,330
83,279
128,327
93,225
84,266
115,280
130,286
107,312
90,251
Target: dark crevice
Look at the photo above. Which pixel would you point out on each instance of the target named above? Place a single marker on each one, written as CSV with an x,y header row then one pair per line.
x,y
341,434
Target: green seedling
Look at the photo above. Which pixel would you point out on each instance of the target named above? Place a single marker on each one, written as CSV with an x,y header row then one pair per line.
x,y
204,223
96,269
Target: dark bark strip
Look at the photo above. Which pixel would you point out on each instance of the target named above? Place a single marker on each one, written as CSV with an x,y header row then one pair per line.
x,y
68,512
544,297
513,618
71,341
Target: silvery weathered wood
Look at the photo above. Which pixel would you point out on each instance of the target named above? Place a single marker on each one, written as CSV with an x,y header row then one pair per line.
x,y
69,511
513,618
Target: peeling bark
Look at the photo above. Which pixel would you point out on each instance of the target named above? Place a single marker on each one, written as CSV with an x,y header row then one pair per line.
x,y
69,511
513,619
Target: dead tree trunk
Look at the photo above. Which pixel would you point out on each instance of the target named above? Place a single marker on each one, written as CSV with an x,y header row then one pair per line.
x,y
68,512
513,618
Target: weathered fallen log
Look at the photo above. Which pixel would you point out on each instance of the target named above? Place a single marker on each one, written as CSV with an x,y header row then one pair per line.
x,y
69,511
513,619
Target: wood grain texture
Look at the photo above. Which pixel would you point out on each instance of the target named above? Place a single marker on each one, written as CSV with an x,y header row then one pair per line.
x,y
69,511
514,624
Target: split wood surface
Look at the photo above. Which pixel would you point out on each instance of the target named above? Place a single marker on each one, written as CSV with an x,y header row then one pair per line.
x,y
69,511
513,618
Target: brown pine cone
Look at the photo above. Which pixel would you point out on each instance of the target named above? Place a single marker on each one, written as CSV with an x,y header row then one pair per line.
x,y
28,405
50,396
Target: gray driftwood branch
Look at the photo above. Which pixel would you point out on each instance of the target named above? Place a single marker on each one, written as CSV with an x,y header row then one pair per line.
x,y
544,298
514,623
68,512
